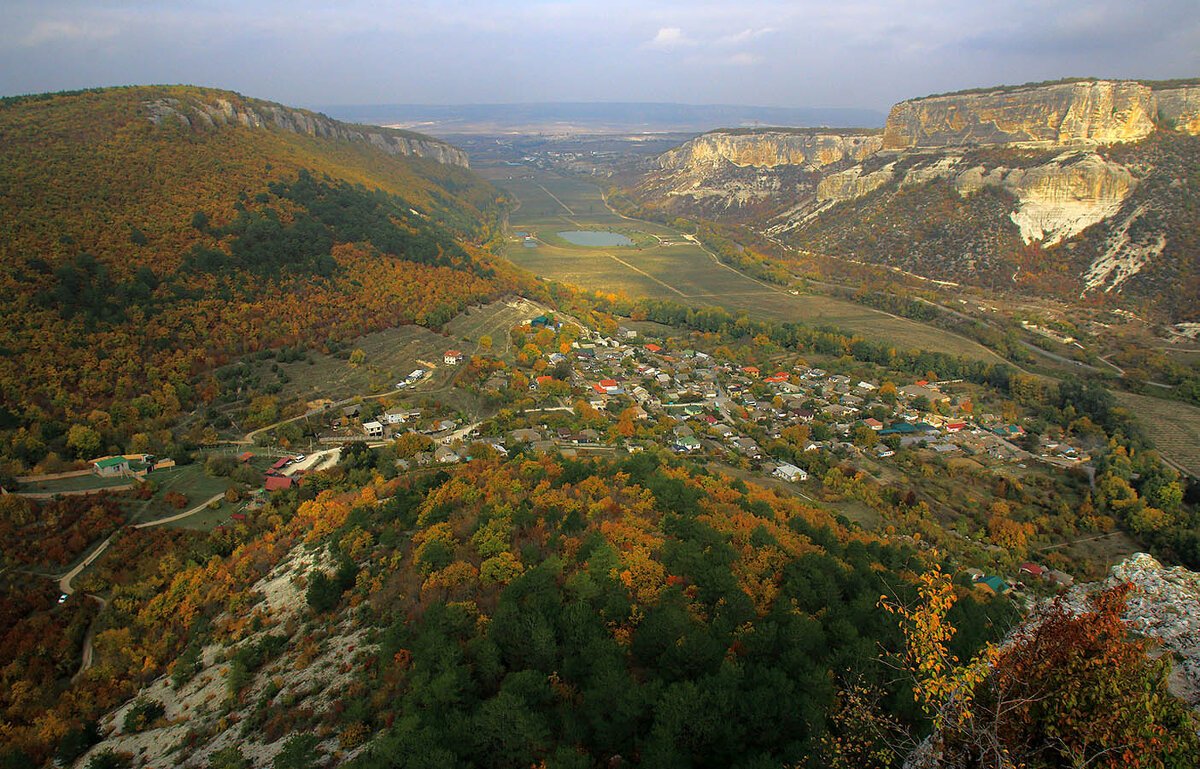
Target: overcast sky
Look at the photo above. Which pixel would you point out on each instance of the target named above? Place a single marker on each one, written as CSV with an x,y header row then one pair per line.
x,y
796,53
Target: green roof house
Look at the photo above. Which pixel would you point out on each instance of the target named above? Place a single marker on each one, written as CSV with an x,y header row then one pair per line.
x,y
110,466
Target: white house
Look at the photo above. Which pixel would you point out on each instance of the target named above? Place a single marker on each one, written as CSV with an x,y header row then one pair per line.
x,y
790,473
453,357
373,429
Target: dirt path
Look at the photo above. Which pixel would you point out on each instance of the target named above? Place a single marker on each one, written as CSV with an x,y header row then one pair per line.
x,y
556,200
89,650
64,582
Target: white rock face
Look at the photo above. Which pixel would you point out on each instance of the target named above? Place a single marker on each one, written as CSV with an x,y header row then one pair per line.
x,y
852,183
1180,107
1060,200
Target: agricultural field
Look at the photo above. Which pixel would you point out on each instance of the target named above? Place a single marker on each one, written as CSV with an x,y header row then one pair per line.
x,y
671,267
1173,427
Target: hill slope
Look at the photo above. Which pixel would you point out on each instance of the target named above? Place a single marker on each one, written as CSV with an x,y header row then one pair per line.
x,y
153,232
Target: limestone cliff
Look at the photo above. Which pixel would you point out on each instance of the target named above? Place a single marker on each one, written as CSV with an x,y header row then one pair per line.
x,y
768,149
231,109
1179,108
1101,112
1097,175
738,172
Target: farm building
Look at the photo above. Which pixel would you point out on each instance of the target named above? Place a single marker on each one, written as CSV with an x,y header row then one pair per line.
x,y
111,466
453,357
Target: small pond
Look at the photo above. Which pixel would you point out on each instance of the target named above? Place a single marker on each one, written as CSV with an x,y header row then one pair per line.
x,y
595,238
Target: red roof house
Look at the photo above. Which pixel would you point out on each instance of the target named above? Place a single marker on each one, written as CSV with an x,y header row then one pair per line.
x,y
278,483
245,456
281,463
653,348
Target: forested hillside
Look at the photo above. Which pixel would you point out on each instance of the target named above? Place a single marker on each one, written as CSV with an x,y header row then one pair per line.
x,y
143,247
503,613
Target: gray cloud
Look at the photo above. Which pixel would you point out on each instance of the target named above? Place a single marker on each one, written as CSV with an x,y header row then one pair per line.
x,y
866,53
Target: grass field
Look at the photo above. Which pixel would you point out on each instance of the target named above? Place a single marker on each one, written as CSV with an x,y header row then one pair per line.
x,y
676,269
189,480
77,483
1174,427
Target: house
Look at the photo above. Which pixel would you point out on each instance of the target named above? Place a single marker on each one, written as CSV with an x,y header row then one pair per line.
x,y
350,412
914,391
995,585
686,443
776,378
653,348
609,386
400,416
790,473
524,435
453,357
873,423
280,463
245,457
278,483
541,381
111,466
373,429
955,426
1032,569
750,370
445,455
541,321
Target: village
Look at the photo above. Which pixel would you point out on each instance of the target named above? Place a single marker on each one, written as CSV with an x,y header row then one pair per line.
x,y
579,392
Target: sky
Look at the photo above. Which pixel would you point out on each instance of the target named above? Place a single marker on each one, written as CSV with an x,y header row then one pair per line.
x,y
788,53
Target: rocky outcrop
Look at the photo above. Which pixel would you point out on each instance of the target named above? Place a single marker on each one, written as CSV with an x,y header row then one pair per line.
x,y
852,183
1164,607
221,111
1179,108
768,149
1101,112
1063,198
